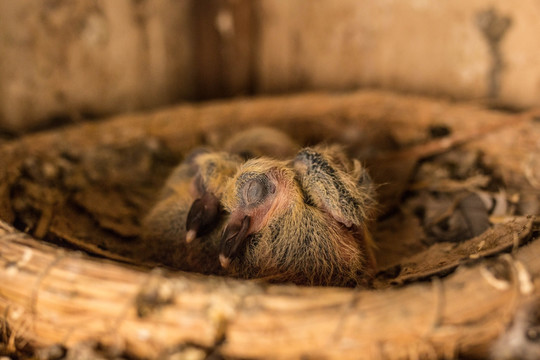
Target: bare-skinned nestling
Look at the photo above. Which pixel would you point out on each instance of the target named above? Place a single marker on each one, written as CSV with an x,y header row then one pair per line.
x,y
182,230
304,221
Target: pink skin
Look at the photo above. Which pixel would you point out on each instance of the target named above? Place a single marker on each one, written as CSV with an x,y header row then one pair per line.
x,y
258,216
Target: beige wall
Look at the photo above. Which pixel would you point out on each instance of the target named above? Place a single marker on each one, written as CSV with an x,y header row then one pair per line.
x,y
435,47
71,58
68,58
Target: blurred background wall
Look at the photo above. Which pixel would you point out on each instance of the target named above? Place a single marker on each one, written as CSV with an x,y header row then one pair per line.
x,y
65,61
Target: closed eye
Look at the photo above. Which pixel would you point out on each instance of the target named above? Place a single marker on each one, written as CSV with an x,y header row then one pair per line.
x,y
256,191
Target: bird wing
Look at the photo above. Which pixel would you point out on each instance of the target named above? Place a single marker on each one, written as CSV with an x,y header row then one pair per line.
x,y
335,184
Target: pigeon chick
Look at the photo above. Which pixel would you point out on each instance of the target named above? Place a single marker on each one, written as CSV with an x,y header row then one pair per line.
x,y
183,228
216,169
304,222
189,208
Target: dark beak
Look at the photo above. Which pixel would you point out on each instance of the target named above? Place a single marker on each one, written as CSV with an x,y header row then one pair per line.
x,y
203,216
233,239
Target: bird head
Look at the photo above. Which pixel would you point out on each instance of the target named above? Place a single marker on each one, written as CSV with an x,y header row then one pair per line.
x,y
262,190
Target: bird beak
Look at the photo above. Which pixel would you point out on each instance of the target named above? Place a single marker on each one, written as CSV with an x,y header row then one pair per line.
x,y
203,216
234,236
224,261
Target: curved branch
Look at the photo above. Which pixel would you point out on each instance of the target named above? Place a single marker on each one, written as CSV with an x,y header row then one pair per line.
x,y
62,297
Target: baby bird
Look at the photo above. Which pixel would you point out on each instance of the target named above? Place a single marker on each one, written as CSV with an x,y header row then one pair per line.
x,y
183,228
189,207
303,222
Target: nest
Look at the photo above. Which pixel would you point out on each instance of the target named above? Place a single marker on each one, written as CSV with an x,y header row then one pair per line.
x,y
453,281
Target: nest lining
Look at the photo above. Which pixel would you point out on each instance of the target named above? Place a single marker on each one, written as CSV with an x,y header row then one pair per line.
x,y
87,187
